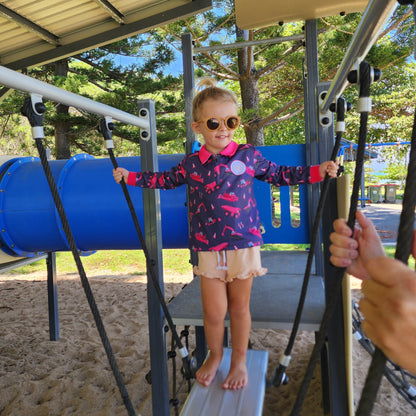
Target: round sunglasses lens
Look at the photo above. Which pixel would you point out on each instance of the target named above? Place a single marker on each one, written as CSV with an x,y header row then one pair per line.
x,y
213,123
232,123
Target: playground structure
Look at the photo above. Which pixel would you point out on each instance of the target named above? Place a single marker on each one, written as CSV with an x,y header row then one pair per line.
x,y
20,175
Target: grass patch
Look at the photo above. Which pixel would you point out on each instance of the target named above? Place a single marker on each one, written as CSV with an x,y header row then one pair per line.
x,y
133,261
114,261
285,247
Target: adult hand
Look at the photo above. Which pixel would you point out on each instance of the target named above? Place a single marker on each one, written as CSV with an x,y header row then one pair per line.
x,y
354,250
389,309
414,246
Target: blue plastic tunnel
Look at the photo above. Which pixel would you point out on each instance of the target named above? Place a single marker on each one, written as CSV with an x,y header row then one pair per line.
x,y
98,213
94,203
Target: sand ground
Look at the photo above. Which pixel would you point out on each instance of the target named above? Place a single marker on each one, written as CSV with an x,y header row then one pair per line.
x,y
72,376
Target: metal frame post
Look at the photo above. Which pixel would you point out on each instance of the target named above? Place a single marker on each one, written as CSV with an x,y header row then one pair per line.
x,y
337,388
52,297
311,78
319,142
153,237
189,85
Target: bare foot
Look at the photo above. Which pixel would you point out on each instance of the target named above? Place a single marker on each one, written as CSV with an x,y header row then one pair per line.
x,y
237,377
207,372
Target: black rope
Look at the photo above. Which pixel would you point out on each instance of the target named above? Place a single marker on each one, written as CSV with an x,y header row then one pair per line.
x,y
280,376
172,355
403,249
106,131
84,279
334,297
27,108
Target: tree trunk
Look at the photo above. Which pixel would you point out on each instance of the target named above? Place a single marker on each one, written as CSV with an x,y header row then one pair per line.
x,y
249,92
62,127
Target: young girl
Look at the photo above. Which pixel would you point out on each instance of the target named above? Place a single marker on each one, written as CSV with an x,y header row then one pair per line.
x,y
224,221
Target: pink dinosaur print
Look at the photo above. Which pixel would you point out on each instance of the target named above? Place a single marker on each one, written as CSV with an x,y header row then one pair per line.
x,y
219,247
250,171
152,181
196,177
210,187
217,168
232,197
250,203
233,211
212,221
255,231
200,237
233,232
200,207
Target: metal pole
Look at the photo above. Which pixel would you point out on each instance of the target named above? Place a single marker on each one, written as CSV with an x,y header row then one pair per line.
x,y
311,79
153,236
188,87
237,45
372,22
18,81
52,297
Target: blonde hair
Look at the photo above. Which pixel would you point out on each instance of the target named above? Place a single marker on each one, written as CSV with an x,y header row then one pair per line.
x,y
209,90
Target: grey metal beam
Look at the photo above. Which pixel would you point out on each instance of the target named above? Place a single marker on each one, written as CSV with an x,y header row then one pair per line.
x,y
29,25
311,78
111,10
52,297
237,45
188,86
153,238
14,264
122,31
372,22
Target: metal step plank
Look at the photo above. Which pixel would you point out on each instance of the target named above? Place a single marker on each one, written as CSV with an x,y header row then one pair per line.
x,y
216,401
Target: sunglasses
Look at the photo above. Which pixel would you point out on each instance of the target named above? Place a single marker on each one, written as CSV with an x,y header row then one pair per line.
x,y
212,124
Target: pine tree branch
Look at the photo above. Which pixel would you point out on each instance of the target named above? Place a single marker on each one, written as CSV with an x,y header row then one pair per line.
x,y
335,27
231,74
92,81
273,117
395,24
217,74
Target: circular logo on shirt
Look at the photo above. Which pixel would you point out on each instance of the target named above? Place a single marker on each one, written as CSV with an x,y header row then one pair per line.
x,y
238,167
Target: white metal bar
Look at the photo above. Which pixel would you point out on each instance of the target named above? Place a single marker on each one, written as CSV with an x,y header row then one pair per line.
x,y
372,22
18,81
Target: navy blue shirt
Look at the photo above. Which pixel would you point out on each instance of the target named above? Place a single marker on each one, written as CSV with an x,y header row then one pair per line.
x,y
223,209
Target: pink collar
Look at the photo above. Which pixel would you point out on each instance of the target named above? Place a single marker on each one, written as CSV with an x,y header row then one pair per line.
x,y
204,154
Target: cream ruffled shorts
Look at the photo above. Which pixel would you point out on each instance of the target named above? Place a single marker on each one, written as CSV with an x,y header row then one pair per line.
x,y
228,265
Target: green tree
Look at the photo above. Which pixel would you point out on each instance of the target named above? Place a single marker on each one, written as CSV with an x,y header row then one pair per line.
x,y
269,78
395,173
118,75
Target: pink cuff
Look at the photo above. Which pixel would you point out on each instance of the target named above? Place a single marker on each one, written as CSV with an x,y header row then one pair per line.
x,y
314,174
131,179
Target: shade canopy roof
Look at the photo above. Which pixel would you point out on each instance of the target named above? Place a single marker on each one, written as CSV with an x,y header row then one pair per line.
x,y
35,32
251,15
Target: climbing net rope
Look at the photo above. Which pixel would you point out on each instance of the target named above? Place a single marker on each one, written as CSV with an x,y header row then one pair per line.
x,y
403,381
